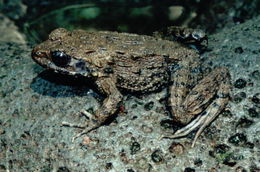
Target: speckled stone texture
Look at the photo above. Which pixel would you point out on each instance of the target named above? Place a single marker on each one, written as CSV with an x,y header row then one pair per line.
x,y
34,103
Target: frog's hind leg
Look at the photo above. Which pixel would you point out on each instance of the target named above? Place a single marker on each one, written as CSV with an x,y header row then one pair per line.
x,y
204,102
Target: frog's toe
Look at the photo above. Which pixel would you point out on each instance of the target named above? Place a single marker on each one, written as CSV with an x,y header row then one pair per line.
x,y
86,114
86,128
198,122
189,128
83,132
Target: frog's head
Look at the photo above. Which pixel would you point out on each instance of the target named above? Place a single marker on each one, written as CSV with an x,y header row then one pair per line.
x,y
59,53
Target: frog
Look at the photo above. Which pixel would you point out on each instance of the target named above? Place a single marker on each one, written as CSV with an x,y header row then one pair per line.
x,y
116,62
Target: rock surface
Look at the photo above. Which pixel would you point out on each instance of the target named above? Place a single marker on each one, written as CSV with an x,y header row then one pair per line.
x,y
34,103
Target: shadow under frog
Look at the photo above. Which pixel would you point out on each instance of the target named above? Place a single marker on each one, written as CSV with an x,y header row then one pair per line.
x,y
52,84
137,63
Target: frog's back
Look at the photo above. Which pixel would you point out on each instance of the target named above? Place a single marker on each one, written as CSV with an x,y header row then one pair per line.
x,y
127,43
141,62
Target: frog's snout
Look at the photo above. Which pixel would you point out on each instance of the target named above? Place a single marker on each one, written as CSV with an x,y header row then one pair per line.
x,y
39,56
37,53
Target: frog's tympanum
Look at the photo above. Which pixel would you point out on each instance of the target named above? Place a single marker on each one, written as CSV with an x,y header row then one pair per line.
x,y
137,63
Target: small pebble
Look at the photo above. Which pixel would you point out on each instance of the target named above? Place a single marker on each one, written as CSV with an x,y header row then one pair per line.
x,y
86,140
147,129
176,148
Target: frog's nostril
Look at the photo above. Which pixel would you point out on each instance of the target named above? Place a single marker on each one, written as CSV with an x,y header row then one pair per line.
x,y
36,53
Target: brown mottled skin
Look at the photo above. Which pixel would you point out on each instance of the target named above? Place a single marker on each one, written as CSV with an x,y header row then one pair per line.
x,y
137,63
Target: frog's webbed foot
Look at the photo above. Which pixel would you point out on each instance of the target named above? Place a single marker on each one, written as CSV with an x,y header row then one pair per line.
x,y
206,100
108,108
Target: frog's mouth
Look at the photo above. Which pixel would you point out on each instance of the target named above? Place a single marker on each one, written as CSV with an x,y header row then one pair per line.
x,y
60,62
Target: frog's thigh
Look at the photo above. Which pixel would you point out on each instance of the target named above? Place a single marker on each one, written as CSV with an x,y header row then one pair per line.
x,y
207,99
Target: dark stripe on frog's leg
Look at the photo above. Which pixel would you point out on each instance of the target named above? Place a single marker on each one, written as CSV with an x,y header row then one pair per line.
x,y
210,100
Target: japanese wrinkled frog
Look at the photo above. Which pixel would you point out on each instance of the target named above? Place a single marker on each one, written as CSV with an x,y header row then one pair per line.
x,y
138,63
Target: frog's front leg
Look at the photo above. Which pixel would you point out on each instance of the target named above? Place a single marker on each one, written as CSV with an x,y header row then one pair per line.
x,y
110,105
202,103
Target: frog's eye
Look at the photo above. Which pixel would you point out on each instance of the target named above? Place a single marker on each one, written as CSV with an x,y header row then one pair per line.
x,y
60,58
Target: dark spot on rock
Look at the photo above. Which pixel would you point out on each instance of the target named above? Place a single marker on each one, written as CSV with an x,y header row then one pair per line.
x,y
226,113
254,168
130,170
134,117
252,112
222,153
2,167
63,169
134,106
157,156
256,74
256,98
238,20
148,106
109,166
166,124
239,50
240,83
163,100
188,169
250,145
221,149
240,169
244,122
198,162
135,147
238,139
239,97
230,162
